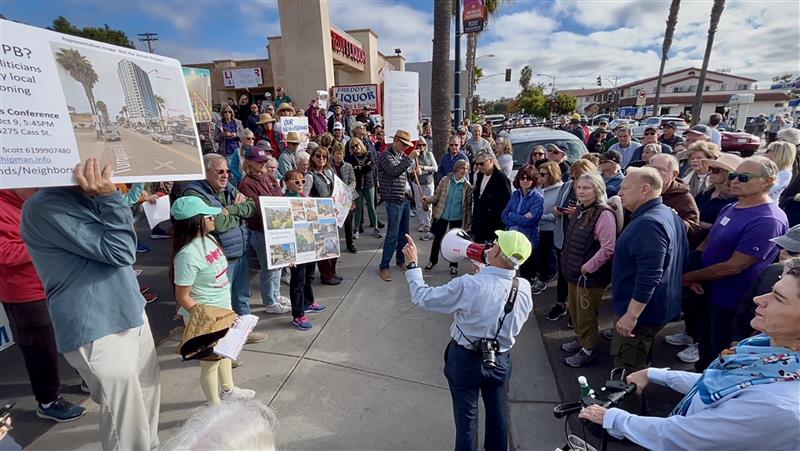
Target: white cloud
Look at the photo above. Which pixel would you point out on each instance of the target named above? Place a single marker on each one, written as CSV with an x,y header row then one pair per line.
x,y
194,55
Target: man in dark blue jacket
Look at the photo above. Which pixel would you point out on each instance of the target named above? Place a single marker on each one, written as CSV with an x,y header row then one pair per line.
x,y
648,267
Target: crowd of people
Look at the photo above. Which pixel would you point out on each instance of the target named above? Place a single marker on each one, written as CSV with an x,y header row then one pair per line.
x,y
676,229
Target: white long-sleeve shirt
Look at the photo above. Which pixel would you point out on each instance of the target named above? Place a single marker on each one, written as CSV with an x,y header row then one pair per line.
x,y
757,417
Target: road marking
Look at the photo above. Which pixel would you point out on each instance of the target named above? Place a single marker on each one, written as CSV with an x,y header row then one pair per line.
x,y
160,164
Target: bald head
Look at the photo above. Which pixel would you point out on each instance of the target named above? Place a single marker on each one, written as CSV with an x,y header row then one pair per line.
x,y
639,186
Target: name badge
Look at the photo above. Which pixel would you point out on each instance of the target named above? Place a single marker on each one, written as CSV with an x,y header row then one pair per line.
x,y
724,221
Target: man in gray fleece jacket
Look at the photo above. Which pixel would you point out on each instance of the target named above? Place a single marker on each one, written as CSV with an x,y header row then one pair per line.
x,y
82,243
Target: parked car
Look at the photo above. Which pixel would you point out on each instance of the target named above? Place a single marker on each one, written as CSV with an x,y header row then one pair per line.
x,y
743,143
523,140
111,133
616,122
601,117
680,125
163,138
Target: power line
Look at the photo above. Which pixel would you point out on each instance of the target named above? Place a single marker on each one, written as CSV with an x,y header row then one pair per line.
x,y
148,38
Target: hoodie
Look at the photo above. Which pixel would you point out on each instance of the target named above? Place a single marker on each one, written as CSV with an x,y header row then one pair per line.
x,y
19,281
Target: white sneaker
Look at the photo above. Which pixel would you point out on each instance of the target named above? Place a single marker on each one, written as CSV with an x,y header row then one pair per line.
x,y
679,339
689,355
283,300
277,308
355,235
237,393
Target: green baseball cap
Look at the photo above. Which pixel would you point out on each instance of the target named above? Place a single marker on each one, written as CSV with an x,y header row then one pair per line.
x,y
189,206
514,245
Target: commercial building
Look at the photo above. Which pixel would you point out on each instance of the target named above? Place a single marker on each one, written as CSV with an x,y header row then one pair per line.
x,y
311,54
142,107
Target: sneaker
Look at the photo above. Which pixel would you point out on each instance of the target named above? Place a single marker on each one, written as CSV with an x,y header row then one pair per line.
x,y
537,286
571,346
579,359
159,234
85,387
302,323
150,297
236,394
679,339
237,363
377,233
331,281
556,312
142,248
352,249
60,411
412,214
569,322
256,337
552,278
689,355
315,308
426,236
277,308
283,300
361,229
356,234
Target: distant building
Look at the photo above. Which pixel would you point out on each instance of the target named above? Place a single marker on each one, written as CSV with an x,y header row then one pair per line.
x,y
586,97
139,97
425,69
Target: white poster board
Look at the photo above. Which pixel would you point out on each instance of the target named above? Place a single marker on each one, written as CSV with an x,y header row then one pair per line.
x,y
66,99
298,124
6,338
158,212
342,200
242,78
322,99
401,108
299,230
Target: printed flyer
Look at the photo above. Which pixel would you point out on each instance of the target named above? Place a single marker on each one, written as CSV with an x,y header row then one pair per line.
x,y
299,230
66,99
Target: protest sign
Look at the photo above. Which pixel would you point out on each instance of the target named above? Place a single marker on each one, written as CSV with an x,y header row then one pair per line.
x,y
342,200
242,78
322,99
198,83
6,339
401,111
356,97
299,230
158,212
66,99
295,124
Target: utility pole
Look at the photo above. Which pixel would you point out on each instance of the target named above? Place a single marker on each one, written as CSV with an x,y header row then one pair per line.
x,y
148,38
457,78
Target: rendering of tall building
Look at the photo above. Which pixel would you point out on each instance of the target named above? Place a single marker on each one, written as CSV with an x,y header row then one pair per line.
x,y
139,97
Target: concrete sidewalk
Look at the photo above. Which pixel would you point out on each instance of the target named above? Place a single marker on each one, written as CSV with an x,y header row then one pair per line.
x,y
367,376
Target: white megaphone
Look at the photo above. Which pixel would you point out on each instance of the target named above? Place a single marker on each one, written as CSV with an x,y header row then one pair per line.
x,y
456,246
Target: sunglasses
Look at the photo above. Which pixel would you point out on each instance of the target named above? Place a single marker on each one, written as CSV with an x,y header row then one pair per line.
x,y
208,217
297,181
223,171
555,151
321,157
525,177
716,170
538,154
544,174
743,177
479,163
453,145
649,133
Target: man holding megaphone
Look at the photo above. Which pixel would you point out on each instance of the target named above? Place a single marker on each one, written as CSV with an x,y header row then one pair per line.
x,y
489,310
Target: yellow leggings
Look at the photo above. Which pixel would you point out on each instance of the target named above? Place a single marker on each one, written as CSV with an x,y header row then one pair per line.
x,y
212,374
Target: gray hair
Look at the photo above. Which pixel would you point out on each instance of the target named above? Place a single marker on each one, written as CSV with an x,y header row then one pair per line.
x,y
247,133
596,180
674,165
790,135
486,154
459,164
768,168
477,127
230,425
652,147
210,158
303,156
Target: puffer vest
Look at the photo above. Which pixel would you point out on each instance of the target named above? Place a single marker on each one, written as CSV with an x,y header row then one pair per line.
x,y
233,241
580,245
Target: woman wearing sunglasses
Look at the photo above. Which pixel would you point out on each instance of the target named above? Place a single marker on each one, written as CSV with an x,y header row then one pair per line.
x,y
523,213
199,272
228,134
319,167
718,194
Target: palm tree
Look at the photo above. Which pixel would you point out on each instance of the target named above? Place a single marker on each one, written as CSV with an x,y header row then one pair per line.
x,y
440,79
525,76
81,69
716,13
125,113
672,21
490,8
102,109
161,104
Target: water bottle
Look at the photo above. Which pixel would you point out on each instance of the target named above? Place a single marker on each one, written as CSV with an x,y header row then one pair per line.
x,y
586,390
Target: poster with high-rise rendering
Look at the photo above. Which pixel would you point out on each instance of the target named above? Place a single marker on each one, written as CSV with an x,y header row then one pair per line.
x,y
198,82
66,99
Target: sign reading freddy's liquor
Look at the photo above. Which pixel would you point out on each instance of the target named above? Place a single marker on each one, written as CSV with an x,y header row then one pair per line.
x,y
348,47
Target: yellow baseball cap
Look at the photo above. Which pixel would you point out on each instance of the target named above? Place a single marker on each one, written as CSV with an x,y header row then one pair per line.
x,y
514,245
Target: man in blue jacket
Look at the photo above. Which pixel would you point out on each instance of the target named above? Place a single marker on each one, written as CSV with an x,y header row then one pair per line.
x,y
647,269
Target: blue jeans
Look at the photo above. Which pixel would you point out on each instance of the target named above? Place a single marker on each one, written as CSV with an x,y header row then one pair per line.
x,y
396,231
269,279
467,378
239,277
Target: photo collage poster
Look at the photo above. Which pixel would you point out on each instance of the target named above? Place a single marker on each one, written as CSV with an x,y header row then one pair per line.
x,y
299,230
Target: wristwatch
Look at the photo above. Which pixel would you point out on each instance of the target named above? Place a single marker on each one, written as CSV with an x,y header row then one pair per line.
x,y
412,265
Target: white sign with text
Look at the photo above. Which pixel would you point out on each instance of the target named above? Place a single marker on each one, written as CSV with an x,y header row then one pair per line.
x,y
401,109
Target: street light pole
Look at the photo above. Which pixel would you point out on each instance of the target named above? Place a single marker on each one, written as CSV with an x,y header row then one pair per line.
x,y
457,73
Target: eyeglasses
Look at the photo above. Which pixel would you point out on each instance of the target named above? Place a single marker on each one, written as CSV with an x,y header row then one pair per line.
x,y
479,163
743,177
320,156
453,145
208,217
554,150
649,133
538,154
223,171
525,177
716,170
297,181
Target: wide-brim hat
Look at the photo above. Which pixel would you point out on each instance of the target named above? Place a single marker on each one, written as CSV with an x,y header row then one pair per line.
x,y
293,137
285,107
726,161
404,137
264,118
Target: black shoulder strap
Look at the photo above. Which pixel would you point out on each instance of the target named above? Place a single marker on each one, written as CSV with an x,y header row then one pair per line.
x,y
512,295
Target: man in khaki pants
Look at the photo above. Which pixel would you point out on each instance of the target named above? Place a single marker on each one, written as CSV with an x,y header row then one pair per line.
x,y
82,243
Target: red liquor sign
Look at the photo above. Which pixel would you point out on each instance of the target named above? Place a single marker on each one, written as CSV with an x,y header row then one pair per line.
x,y
348,48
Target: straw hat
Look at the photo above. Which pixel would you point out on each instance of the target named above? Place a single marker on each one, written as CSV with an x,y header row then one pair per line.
x,y
293,137
264,118
726,161
285,107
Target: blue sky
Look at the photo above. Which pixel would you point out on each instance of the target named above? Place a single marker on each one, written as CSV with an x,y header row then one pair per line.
x,y
574,41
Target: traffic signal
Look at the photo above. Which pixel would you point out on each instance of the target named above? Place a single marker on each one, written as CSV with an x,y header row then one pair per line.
x,y
508,74
599,81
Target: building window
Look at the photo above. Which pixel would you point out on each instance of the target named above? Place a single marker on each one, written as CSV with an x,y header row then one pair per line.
x,y
706,88
676,89
722,87
778,105
743,87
